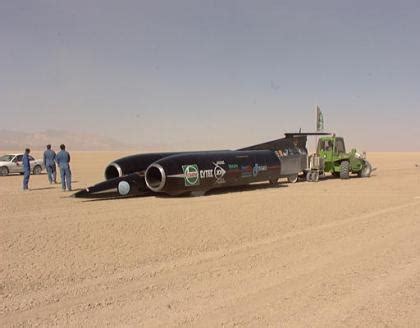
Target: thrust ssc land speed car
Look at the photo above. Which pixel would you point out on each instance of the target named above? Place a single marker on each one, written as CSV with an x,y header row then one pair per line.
x,y
196,172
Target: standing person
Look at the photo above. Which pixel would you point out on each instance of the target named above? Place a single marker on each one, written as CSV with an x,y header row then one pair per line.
x,y
26,169
49,163
63,161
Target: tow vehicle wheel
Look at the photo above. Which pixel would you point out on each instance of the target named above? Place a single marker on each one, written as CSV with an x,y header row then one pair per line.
x,y
366,171
309,176
345,170
315,177
292,178
37,169
4,171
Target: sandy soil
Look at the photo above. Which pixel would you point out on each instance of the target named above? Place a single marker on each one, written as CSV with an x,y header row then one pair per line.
x,y
331,254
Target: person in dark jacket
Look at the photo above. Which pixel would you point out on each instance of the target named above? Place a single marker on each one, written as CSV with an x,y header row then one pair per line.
x,y
49,163
63,161
26,169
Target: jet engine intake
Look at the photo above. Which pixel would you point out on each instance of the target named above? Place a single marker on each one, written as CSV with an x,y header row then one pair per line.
x,y
155,177
112,171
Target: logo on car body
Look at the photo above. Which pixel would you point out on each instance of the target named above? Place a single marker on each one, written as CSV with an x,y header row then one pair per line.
x,y
258,168
191,175
219,172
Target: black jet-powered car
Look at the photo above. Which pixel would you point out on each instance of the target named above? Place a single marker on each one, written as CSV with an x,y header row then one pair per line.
x,y
178,173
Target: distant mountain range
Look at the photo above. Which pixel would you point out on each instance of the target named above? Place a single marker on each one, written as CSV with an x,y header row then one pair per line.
x,y
16,140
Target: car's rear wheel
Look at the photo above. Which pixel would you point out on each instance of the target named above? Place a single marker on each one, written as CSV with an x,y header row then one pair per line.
x,y
292,178
4,171
37,169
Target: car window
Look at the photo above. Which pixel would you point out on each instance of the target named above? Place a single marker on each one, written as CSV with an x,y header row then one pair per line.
x,y
339,144
31,158
19,158
6,158
325,145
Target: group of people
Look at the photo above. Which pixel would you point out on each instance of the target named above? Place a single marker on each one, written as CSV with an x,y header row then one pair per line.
x,y
62,159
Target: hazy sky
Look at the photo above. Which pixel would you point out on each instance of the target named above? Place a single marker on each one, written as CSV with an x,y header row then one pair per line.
x,y
200,74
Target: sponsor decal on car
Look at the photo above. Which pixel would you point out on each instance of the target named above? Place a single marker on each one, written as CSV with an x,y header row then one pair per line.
x,y
258,168
206,174
246,171
233,166
191,175
219,172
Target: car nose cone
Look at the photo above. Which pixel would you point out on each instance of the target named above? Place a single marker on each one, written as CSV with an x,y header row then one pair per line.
x,y
123,188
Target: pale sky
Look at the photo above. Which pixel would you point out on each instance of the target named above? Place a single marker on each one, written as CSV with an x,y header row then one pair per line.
x,y
213,74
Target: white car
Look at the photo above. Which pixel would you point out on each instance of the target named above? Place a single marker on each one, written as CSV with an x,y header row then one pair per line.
x,y
12,163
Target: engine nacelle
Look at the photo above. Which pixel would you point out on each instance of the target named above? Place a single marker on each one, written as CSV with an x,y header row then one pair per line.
x,y
132,164
203,171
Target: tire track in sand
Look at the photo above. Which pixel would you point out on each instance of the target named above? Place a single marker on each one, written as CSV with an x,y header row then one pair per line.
x,y
125,283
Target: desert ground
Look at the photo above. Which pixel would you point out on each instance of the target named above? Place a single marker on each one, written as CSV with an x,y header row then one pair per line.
x,y
328,254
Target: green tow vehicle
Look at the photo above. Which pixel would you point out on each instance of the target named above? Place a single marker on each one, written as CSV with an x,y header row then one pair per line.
x,y
331,157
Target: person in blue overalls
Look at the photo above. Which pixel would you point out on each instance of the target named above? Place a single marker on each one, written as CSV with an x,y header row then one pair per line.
x,y
26,169
49,163
63,161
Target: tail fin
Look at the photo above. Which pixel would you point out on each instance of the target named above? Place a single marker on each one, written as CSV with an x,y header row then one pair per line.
x,y
319,120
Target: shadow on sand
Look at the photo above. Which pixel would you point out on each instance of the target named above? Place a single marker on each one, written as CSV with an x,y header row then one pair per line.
x,y
17,175
112,195
45,188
